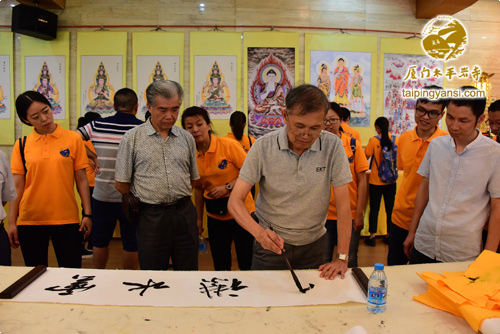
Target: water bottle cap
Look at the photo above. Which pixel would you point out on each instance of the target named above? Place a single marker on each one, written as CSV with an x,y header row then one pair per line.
x,y
379,266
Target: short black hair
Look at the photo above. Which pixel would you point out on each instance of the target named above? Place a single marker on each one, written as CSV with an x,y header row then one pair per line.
x,y
477,104
442,101
125,100
495,106
345,114
195,111
307,98
89,117
25,100
336,107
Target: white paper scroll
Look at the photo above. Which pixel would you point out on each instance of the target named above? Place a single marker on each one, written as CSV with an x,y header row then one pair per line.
x,y
188,289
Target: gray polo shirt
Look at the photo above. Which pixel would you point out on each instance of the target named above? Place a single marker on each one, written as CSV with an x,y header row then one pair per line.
x,y
160,171
295,190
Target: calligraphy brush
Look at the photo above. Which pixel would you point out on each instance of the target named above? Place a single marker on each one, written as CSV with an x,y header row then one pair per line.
x,y
294,276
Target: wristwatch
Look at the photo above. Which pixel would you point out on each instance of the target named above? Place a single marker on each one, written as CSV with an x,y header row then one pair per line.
x,y
229,186
86,215
342,257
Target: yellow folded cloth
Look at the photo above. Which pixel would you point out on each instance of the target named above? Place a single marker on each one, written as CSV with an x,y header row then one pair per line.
x,y
473,294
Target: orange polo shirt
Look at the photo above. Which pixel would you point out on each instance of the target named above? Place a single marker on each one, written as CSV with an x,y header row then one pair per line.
x,y
350,131
374,150
357,163
220,165
90,167
411,152
495,138
51,161
244,142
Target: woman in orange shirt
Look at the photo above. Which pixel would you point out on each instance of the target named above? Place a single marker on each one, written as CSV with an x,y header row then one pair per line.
x,y
377,188
219,162
357,188
238,122
45,208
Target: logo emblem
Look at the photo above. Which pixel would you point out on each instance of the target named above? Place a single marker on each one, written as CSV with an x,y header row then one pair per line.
x,y
444,38
223,164
65,153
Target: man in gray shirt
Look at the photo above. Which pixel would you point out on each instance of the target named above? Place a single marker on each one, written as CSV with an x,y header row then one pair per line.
x,y
294,167
157,162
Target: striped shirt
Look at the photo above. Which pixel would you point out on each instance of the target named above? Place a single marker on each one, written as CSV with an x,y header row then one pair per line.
x,y
159,171
106,134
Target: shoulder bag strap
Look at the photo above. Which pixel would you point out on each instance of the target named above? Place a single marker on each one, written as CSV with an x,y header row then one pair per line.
x,y
22,145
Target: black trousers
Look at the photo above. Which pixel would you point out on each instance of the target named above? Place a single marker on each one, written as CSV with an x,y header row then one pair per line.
x,y
376,193
418,258
66,239
396,254
221,234
309,256
5,251
164,234
332,235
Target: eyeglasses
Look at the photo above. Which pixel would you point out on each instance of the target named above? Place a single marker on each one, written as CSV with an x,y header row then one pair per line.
x,y
432,114
331,121
490,123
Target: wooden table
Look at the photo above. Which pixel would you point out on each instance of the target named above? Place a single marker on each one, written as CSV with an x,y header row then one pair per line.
x,y
403,315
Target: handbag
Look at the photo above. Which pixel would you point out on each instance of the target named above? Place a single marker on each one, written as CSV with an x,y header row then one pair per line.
x,y
216,206
131,208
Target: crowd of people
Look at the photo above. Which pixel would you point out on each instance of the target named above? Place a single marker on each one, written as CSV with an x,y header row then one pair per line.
x,y
311,176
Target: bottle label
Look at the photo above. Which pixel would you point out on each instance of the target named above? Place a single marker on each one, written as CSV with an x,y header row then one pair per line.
x,y
377,296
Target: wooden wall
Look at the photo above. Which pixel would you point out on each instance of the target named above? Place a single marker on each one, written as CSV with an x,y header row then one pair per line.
x,y
481,20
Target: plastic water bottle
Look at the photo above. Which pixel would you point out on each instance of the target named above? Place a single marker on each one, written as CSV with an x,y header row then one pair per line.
x,y
202,246
377,290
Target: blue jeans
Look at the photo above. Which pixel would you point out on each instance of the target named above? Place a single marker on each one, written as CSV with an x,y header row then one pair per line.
x,y
105,215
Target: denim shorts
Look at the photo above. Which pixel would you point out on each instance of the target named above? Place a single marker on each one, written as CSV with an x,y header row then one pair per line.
x,y
104,217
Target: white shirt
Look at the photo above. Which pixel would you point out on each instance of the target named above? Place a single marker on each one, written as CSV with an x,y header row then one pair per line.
x,y
7,187
460,188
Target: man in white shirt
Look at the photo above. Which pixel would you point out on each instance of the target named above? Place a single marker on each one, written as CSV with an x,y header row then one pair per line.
x,y
7,193
459,192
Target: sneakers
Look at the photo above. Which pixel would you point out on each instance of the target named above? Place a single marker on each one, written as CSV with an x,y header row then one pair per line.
x,y
86,252
370,242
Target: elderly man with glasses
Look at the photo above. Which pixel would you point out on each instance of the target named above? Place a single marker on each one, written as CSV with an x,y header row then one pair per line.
x,y
294,167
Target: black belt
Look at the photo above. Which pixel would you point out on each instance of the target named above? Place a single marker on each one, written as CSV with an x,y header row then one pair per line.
x,y
168,206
